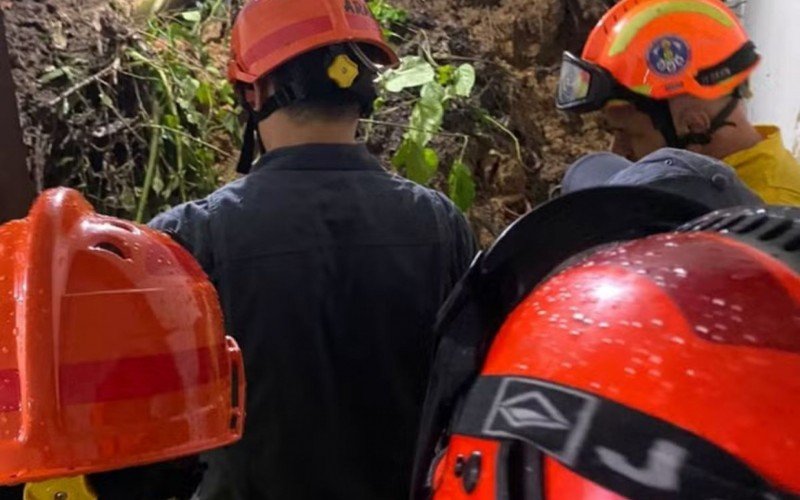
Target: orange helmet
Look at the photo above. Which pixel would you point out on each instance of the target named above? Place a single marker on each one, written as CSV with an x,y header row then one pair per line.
x,y
664,367
268,34
112,349
645,50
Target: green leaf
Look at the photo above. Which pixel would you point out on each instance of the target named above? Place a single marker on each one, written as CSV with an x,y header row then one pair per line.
x,y
400,157
106,100
427,115
172,121
461,186
193,16
158,182
414,71
417,163
445,74
51,74
205,95
464,80
421,164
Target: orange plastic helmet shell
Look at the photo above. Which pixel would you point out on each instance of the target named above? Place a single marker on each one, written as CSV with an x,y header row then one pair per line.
x,y
112,349
695,329
268,33
657,47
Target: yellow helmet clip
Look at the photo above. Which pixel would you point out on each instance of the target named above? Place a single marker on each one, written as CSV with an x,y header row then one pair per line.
x,y
343,71
63,488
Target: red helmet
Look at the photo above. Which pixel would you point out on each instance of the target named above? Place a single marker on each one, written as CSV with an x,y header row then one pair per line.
x,y
112,348
663,367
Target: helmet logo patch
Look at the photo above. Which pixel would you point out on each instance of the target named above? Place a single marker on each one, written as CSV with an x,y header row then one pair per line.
x,y
556,416
668,55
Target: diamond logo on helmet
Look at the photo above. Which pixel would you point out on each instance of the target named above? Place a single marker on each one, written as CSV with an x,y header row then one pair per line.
x,y
668,55
553,418
532,409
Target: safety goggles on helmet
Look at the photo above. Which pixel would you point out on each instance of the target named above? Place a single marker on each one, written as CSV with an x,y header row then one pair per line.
x,y
584,87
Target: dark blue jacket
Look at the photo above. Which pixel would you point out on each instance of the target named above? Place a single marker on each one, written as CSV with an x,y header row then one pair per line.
x,y
330,271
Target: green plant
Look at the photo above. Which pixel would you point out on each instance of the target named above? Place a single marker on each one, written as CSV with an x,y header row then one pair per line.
x,y
435,87
192,118
387,15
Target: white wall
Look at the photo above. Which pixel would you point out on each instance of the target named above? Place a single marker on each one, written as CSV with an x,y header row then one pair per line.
x,y
774,26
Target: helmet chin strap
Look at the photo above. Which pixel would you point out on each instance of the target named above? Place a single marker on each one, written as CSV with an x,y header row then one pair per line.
x,y
283,97
661,116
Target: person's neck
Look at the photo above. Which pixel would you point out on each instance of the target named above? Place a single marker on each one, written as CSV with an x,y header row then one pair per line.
x,y
280,131
731,139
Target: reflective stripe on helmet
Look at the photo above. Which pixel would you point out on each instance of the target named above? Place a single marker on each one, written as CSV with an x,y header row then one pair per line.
x,y
630,29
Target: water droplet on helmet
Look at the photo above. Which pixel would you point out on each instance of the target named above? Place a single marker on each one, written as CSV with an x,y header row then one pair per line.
x,y
577,316
680,272
701,328
574,332
630,371
691,372
654,372
595,385
657,322
751,338
566,364
718,302
542,312
736,307
656,360
636,324
603,324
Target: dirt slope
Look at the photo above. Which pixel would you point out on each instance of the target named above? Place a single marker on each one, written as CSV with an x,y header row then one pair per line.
x,y
516,46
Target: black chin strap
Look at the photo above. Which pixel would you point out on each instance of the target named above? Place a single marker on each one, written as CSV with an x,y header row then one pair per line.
x,y
283,97
661,116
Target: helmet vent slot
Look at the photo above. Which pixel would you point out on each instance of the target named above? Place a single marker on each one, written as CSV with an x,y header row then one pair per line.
x,y
776,231
752,224
732,222
109,247
792,245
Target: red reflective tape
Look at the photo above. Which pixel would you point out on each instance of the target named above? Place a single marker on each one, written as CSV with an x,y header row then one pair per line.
x,y
364,23
140,377
9,390
128,378
284,36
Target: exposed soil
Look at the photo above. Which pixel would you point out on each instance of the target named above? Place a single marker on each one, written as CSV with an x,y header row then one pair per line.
x,y
63,55
516,47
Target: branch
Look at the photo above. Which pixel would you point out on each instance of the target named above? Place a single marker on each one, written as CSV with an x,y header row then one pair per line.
x,y
87,81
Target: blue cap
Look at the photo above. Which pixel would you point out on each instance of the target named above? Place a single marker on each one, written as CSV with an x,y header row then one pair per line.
x,y
694,176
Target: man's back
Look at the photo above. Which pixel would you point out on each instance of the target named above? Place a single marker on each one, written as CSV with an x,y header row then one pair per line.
x,y
330,272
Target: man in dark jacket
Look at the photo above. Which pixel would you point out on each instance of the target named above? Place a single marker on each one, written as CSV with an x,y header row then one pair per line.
x,y
330,270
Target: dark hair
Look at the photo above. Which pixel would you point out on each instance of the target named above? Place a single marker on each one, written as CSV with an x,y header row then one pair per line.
x,y
307,75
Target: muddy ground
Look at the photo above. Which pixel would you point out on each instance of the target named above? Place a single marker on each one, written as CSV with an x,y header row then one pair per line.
x,y
56,47
516,47
59,47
